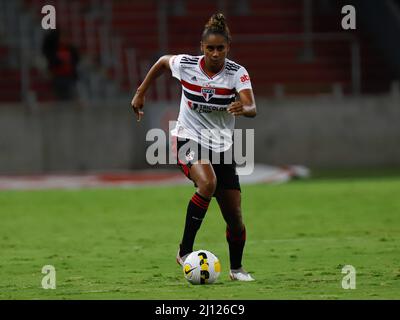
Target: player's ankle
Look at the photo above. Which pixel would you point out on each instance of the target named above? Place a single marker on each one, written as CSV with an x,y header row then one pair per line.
x,y
184,251
236,268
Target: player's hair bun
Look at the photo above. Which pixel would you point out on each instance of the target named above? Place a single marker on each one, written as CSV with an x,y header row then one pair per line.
x,y
216,22
217,25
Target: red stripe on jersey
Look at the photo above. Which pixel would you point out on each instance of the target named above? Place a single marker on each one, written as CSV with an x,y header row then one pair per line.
x,y
219,91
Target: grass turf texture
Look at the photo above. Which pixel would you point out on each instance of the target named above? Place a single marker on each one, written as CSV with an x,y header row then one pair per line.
x,y
121,243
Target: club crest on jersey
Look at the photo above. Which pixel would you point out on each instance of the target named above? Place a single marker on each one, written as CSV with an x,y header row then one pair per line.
x,y
207,93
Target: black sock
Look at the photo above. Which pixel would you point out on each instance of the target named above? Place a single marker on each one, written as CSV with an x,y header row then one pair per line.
x,y
196,211
236,245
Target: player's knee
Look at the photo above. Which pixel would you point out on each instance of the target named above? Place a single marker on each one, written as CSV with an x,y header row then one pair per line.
x,y
207,186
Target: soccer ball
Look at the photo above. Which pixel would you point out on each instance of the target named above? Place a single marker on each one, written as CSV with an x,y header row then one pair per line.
x,y
201,267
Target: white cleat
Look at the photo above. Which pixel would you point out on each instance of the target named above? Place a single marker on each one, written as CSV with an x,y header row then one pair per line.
x,y
180,260
240,275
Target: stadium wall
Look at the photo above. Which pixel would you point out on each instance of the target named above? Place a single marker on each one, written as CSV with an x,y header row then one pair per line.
x,y
317,132
328,133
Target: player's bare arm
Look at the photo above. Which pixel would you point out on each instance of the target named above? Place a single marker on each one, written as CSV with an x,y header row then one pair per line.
x,y
245,106
155,71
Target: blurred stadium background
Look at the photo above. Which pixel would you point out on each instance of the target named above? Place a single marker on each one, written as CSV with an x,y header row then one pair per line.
x,y
327,97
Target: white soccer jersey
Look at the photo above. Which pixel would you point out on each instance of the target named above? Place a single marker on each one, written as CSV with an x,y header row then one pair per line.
x,y
203,116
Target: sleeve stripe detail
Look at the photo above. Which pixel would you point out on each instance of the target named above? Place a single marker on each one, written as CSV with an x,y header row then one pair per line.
x,y
190,59
232,66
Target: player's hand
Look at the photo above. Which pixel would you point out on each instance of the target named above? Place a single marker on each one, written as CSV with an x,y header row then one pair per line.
x,y
236,108
137,104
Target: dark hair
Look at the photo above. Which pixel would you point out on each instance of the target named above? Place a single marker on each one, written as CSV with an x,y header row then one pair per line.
x,y
217,25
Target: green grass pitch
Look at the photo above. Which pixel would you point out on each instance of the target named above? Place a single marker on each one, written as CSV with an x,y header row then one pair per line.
x,y
121,243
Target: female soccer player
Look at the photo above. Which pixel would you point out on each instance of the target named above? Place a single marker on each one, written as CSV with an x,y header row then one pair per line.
x,y
215,90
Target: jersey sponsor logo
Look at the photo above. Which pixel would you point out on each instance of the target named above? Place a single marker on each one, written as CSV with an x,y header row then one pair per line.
x,y
207,93
204,108
193,78
244,78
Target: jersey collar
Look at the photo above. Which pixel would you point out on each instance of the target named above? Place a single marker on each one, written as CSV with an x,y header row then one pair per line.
x,y
202,68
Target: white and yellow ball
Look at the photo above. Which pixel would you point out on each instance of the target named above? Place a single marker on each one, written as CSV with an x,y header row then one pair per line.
x,y
201,267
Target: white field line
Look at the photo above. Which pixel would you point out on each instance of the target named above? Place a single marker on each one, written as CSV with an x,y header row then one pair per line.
x,y
261,174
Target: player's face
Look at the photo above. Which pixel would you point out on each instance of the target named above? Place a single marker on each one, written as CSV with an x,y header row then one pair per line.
x,y
215,49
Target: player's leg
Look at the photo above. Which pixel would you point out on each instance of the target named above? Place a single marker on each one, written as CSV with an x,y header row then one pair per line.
x,y
229,201
204,178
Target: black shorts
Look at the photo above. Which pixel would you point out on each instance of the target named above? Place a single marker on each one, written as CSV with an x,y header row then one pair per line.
x,y
188,152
